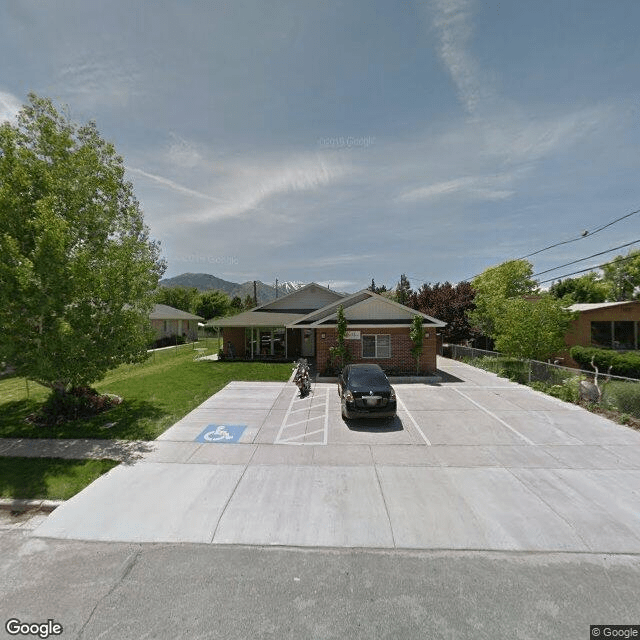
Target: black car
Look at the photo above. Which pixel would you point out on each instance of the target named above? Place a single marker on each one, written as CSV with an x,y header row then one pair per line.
x,y
365,392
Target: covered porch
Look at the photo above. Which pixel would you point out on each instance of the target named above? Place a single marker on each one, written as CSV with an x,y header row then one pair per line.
x,y
270,343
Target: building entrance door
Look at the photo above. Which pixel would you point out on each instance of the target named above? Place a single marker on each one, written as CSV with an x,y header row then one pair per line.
x,y
308,343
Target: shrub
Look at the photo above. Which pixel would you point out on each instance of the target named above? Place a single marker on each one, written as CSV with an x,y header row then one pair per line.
x,y
623,397
79,402
622,364
515,370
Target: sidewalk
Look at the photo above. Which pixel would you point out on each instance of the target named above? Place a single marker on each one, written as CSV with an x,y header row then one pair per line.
x,y
126,451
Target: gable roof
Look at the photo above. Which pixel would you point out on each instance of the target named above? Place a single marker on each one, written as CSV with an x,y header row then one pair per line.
x,y
363,308
283,311
165,312
594,306
306,299
366,308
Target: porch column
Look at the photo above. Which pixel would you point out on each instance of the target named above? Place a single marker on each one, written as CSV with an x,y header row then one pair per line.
x,y
286,348
252,342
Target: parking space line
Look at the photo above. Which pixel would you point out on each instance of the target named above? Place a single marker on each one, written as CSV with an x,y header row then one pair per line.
x,y
301,435
415,424
286,415
495,417
279,439
326,418
293,424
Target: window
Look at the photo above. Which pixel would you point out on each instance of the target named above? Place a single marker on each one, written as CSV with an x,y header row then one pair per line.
x,y
376,346
601,334
623,335
616,334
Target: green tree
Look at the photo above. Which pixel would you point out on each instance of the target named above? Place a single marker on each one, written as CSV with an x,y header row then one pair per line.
x,y
339,354
416,333
236,304
403,290
248,302
77,266
586,288
183,298
511,279
622,275
448,303
532,329
212,304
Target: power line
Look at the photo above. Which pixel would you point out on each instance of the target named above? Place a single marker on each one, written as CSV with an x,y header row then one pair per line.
x,y
594,255
582,236
598,266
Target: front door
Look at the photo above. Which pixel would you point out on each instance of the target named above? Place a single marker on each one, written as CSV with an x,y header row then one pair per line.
x,y
308,343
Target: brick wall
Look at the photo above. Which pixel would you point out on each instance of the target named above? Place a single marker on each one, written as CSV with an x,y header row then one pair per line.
x,y
580,331
401,344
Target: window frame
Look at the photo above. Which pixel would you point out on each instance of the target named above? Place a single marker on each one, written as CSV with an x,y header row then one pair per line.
x,y
376,346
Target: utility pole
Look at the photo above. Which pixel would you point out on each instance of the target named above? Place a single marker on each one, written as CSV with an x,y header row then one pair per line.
x,y
255,294
276,288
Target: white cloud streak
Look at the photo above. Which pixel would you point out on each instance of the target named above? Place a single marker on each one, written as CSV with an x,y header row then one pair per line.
x,y
452,20
473,187
173,186
246,187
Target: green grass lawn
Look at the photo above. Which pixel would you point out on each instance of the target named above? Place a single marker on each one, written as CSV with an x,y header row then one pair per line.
x,y
156,394
48,478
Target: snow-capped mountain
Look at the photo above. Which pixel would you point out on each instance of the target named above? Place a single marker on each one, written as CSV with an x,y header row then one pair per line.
x,y
287,287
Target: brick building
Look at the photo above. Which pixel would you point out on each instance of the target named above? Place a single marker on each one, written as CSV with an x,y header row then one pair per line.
x,y
606,325
303,324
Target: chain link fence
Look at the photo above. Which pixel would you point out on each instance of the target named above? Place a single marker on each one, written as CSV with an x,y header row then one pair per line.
x,y
615,392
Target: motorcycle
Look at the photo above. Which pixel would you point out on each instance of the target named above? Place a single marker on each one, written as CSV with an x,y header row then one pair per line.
x,y
301,377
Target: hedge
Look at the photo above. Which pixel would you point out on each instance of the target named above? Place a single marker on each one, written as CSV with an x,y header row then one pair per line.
x,y
622,364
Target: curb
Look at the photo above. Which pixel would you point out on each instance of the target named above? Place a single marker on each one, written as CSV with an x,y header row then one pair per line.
x,y
17,504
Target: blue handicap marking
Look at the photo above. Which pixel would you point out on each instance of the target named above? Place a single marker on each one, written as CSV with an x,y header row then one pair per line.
x,y
229,433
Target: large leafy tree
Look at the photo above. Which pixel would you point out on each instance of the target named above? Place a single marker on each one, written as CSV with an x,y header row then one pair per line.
x,y
623,276
77,266
450,304
586,288
183,298
511,279
533,328
212,304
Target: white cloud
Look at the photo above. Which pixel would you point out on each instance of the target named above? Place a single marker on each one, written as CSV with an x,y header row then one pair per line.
x,y
183,153
246,186
329,261
96,81
452,19
173,186
474,187
9,106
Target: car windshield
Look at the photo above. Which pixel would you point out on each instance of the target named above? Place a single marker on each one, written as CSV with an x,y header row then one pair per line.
x,y
368,376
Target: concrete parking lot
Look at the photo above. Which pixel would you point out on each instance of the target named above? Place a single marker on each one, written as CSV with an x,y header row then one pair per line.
x,y
475,462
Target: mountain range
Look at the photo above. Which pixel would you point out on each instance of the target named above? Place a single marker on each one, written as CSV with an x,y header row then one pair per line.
x,y
206,282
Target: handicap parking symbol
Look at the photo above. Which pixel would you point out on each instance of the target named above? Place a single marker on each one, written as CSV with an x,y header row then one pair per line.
x,y
225,433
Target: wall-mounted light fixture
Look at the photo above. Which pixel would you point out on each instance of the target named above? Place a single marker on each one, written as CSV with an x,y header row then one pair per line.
x,y
323,335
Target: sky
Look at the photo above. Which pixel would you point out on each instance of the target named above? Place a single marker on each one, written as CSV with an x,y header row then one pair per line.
x,y
341,141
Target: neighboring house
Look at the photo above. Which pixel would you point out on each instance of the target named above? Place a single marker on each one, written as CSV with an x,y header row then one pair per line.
x,y
607,325
168,321
303,324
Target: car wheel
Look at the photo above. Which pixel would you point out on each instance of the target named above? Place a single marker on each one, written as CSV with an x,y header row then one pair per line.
x,y
344,409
